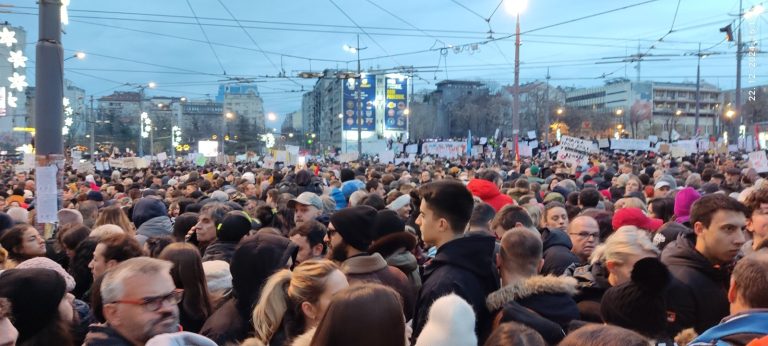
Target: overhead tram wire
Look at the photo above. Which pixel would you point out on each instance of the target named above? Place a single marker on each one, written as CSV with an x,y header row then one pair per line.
x,y
405,22
206,38
364,31
280,70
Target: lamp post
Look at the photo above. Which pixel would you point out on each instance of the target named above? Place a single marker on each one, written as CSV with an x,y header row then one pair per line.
x,y
358,105
515,7
141,88
227,116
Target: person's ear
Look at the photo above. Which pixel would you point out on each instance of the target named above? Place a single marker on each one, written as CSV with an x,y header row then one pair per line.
x,y
541,265
749,225
309,310
698,228
317,250
610,266
732,292
110,314
111,264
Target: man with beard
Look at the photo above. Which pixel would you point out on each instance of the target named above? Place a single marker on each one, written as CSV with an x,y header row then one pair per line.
x,y
140,301
350,233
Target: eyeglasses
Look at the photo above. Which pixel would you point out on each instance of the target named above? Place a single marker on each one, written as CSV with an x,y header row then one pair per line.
x,y
156,303
585,235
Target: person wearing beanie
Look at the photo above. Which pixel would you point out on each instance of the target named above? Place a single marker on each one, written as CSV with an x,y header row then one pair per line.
x,y
47,263
748,297
396,245
235,225
219,196
451,322
350,234
635,217
639,304
683,202
36,296
486,187
544,303
219,281
402,206
150,216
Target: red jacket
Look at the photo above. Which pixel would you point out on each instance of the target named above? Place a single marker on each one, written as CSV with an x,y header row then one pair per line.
x,y
489,193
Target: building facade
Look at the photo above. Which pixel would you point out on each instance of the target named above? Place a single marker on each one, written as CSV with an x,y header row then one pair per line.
x,y
13,100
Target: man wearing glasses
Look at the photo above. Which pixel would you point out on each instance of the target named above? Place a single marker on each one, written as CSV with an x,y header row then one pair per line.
x,y
584,233
140,302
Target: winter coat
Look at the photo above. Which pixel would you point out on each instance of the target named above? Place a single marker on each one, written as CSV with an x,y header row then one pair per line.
x,y
397,249
461,266
104,335
737,329
159,226
304,339
301,184
489,193
557,252
698,294
225,324
374,268
220,250
592,282
526,301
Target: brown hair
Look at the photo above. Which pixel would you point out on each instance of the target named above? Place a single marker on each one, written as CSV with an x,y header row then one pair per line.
x,y
604,335
120,247
750,278
514,334
509,216
703,209
114,215
349,319
521,251
188,274
70,236
755,199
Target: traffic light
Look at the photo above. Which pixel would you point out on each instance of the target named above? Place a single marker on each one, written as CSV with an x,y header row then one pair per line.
x,y
728,32
309,141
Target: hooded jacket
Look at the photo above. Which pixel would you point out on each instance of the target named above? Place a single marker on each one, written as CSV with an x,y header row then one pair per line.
x,y
489,193
592,282
698,294
557,252
104,335
303,181
737,329
397,249
547,297
220,250
683,202
461,266
159,226
373,268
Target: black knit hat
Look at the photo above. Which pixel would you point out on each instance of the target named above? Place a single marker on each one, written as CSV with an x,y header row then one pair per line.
x,y
35,294
235,225
387,222
639,304
355,225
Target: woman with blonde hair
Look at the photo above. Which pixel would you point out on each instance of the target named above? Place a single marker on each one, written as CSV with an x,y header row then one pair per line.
x,y
114,215
293,303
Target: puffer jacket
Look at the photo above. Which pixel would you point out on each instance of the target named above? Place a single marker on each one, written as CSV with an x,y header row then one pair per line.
x,y
737,329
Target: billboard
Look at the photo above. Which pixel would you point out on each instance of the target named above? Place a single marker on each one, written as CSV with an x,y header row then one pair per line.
x,y
367,96
396,102
208,148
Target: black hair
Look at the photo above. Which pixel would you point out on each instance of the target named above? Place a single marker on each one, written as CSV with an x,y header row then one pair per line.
x,y
449,200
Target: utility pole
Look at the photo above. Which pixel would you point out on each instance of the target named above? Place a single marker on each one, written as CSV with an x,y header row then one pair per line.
x,y
698,91
92,146
516,96
49,119
738,75
358,102
141,122
546,113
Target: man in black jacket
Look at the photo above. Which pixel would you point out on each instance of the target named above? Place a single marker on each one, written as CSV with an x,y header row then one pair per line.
x,y
700,263
462,265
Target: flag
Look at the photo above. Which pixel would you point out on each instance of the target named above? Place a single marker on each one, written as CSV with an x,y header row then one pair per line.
x,y
469,143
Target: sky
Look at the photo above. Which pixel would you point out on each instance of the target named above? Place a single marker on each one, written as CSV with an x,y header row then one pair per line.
x,y
189,47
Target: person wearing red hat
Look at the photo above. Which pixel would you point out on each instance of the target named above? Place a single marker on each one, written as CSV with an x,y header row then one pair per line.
x,y
635,217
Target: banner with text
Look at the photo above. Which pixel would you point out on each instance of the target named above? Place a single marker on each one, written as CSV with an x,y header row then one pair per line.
x,y
574,151
367,90
396,102
444,149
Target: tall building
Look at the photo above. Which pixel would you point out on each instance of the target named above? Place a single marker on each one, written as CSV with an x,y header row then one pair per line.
x,y
13,112
76,97
656,108
243,101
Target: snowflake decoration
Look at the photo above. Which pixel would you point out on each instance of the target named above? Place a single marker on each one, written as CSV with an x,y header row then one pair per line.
x,y
18,59
64,131
65,102
18,81
68,121
8,37
12,100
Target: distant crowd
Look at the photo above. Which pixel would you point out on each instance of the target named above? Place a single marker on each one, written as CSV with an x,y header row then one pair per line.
x,y
625,250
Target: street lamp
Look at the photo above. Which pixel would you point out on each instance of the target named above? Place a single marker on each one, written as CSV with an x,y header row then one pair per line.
x,y
678,112
141,88
271,116
559,111
358,105
77,55
227,116
619,112
515,7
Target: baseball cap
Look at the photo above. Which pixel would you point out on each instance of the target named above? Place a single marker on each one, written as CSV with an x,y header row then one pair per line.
x,y
307,198
661,184
635,217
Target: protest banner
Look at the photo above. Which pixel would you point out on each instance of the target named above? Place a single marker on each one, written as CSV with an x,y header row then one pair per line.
x,y
573,150
758,161
447,150
630,144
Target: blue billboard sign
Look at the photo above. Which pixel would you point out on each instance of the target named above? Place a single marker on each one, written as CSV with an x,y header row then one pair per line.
x,y
395,104
367,96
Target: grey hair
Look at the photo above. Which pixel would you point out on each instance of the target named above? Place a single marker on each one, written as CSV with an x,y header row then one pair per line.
x,y
217,211
626,241
112,287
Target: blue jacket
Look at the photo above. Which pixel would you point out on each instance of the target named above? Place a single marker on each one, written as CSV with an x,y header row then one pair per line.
x,y
739,328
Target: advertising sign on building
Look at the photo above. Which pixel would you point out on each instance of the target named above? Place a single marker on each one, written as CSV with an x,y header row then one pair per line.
x,y
396,102
367,116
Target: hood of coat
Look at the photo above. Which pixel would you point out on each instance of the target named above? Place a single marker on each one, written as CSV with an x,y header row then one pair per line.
x,y
483,189
682,252
474,253
552,238
363,264
391,243
536,285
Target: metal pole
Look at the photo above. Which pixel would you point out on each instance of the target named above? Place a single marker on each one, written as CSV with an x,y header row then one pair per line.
x,y
357,102
93,131
738,76
698,91
516,99
547,109
49,117
151,139
141,121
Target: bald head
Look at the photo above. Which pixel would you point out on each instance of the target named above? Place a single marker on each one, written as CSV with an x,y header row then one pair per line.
x,y
584,233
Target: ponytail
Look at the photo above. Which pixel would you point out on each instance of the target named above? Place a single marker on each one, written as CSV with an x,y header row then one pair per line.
x,y
272,306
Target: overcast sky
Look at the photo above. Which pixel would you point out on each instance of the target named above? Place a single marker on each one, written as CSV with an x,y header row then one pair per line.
x,y
140,41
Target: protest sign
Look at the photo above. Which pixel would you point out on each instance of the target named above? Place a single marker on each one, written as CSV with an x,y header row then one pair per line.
x,y
630,144
758,161
573,150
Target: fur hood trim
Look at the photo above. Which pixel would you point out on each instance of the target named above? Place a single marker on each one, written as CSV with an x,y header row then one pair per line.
x,y
549,284
304,339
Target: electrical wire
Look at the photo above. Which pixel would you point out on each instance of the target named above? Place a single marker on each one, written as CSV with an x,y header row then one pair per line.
x,y
207,40
364,31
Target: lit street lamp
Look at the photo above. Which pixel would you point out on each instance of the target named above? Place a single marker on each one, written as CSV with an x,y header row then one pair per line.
x,y
271,116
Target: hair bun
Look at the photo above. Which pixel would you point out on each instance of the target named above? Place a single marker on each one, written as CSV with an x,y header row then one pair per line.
x,y
650,274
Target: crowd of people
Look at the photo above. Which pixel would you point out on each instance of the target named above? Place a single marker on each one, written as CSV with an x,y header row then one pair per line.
x,y
625,250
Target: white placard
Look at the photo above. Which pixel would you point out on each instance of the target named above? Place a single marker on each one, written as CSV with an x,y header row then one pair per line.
x,y
447,150
630,144
387,157
412,148
689,145
46,202
348,157
653,138
269,162
604,143
483,140
532,134
162,156
676,151
573,150
758,161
